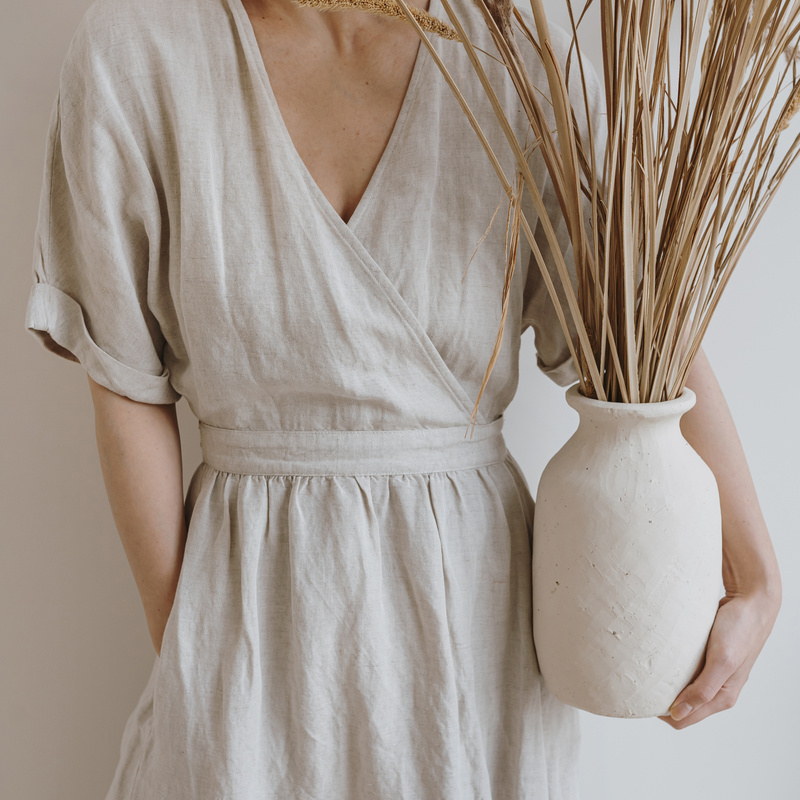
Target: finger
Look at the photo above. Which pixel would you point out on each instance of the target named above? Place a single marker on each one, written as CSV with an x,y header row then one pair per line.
x,y
726,698
720,665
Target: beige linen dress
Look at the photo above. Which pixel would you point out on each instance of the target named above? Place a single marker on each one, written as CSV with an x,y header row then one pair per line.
x,y
353,615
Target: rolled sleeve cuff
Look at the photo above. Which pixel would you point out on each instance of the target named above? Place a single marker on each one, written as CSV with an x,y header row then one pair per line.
x,y
563,374
52,316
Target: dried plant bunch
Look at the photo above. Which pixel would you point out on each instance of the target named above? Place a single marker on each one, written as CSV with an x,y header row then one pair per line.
x,y
686,177
386,8
695,151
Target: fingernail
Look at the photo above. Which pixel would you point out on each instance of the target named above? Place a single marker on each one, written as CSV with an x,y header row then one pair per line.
x,y
681,711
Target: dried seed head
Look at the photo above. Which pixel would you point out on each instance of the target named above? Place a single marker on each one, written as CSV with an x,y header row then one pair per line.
x,y
386,8
790,110
792,50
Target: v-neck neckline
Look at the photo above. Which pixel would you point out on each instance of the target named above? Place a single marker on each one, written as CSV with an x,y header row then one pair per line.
x,y
283,131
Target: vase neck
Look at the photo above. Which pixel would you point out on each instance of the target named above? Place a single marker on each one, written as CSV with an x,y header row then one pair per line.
x,y
621,416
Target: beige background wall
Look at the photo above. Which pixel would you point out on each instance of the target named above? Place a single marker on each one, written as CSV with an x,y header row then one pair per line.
x,y
74,651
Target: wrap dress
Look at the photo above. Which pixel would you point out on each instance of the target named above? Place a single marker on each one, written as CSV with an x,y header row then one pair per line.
x,y
353,614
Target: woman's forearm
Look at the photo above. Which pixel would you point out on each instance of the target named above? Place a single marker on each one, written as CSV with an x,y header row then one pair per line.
x,y
140,456
749,562
750,572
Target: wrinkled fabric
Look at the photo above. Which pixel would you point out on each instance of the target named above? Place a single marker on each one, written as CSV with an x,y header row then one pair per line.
x,y
353,614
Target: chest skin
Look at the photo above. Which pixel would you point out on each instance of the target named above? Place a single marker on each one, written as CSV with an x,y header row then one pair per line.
x,y
339,99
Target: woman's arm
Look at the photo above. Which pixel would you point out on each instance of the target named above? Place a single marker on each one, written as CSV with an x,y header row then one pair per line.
x,y
749,569
140,456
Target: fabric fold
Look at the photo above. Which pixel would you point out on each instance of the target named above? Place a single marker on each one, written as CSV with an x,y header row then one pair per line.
x,y
55,317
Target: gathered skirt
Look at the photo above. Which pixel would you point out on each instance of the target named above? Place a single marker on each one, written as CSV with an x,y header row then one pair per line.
x,y
352,620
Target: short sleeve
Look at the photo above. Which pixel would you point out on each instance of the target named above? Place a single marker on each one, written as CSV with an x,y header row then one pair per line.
x,y
98,237
552,351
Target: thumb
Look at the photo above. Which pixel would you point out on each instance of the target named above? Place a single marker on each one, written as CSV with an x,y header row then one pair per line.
x,y
705,687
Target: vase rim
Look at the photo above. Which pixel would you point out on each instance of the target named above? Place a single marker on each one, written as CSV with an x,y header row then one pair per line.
x,y
663,408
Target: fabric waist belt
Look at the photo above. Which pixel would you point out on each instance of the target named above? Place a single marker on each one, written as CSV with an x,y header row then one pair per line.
x,y
333,452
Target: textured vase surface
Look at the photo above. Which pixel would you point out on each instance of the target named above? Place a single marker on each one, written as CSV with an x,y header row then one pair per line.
x,y
627,559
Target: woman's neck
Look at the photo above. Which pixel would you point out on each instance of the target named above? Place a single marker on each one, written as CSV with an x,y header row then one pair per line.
x,y
347,28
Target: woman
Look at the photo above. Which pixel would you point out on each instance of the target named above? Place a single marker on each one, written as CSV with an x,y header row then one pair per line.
x,y
269,211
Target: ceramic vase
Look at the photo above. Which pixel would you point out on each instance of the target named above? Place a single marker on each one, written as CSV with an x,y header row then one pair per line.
x,y
627,559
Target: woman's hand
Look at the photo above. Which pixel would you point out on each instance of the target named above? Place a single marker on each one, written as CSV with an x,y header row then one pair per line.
x,y
750,571
741,628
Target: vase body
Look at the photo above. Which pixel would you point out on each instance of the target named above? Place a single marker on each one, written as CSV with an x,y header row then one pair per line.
x,y
627,559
